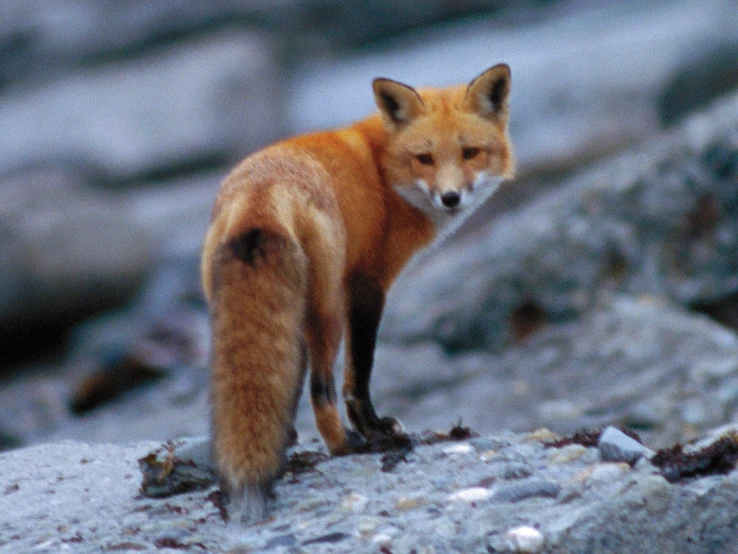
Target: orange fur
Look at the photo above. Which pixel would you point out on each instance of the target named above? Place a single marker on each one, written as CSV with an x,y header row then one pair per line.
x,y
306,238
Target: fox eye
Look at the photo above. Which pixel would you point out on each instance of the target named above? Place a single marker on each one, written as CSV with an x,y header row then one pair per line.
x,y
469,153
425,159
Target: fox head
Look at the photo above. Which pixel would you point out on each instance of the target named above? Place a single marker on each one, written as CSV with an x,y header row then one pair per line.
x,y
448,148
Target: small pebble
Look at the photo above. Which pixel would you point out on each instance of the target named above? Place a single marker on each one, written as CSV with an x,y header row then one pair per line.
x,y
616,446
405,503
367,526
473,494
382,539
601,473
542,435
609,472
458,449
531,488
525,539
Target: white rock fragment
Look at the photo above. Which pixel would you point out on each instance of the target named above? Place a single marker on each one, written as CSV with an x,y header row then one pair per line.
x,y
382,539
460,449
616,446
542,435
567,454
525,539
608,472
385,536
472,494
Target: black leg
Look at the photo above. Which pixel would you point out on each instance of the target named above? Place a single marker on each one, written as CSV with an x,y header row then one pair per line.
x,y
366,302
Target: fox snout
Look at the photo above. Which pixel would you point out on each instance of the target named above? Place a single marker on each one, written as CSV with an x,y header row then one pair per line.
x,y
450,188
462,197
451,199
448,200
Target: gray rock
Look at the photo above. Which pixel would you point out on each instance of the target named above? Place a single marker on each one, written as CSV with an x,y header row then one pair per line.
x,y
206,102
531,488
616,446
69,249
65,249
46,39
175,214
51,39
638,363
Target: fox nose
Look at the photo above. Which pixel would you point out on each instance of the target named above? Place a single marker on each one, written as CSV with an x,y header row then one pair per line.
x,y
451,199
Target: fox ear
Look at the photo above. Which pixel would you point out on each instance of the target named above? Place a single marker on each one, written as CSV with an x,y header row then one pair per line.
x,y
398,103
487,94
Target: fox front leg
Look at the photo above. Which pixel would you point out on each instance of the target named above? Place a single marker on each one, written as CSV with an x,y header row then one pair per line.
x,y
365,305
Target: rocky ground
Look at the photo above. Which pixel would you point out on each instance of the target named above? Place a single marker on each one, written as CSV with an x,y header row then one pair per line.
x,y
586,295
459,493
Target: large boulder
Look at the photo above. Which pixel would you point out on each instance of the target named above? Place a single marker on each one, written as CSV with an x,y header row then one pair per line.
x,y
70,250
640,363
179,107
64,249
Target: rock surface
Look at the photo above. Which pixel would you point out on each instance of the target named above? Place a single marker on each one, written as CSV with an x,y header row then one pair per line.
x,y
70,250
178,107
56,249
502,493
642,364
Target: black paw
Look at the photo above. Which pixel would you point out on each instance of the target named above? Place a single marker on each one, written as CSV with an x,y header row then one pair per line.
x,y
385,435
388,426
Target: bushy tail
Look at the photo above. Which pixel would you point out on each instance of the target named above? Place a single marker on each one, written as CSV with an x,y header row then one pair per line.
x,y
258,313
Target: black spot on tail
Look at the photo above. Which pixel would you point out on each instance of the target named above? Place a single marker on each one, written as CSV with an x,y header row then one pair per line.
x,y
249,247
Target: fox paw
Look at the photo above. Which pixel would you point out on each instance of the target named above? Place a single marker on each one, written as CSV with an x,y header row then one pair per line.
x,y
388,435
388,426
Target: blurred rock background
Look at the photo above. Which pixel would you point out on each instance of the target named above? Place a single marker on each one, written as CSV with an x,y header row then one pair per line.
x,y
601,286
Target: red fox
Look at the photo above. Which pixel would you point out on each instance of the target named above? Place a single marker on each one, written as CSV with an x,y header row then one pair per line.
x,y
307,236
